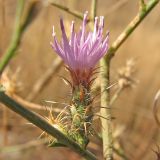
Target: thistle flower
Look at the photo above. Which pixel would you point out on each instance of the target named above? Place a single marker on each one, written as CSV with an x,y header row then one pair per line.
x,y
82,50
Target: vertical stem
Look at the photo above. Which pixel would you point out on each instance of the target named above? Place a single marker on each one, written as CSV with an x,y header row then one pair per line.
x,y
15,38
106,111
105,100
105,65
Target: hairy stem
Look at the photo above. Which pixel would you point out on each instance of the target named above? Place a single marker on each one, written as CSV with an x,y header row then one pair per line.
x,y
45,126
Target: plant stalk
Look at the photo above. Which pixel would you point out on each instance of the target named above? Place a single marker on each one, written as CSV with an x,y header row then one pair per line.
x,y
45,126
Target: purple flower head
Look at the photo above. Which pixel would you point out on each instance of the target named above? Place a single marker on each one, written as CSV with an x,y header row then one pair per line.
x,y
82,50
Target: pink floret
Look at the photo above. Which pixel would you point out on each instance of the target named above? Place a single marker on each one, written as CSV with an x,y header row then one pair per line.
x,y
83,49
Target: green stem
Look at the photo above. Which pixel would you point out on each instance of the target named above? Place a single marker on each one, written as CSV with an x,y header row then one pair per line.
x,y
21,24
130,28
45,126
105,65
106,111
15,38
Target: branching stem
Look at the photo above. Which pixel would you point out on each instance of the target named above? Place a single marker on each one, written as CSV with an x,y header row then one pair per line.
x,y
45,126
105,77
131,27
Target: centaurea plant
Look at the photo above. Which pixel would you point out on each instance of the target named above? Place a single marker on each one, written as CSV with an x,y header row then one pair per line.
x,y
80,53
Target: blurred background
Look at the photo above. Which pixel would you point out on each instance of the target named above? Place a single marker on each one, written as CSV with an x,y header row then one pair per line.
x,y
34,77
